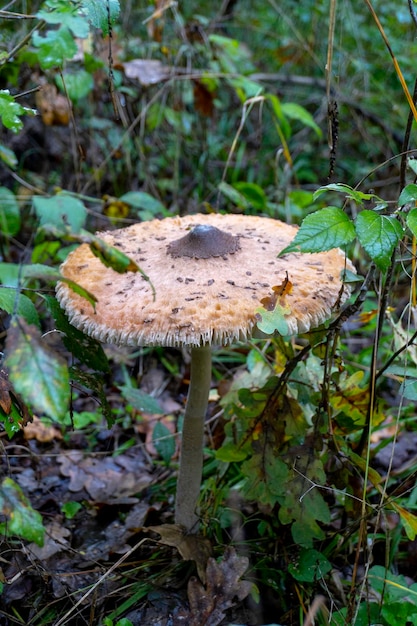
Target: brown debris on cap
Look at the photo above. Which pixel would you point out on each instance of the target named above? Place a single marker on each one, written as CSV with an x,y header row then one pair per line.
x,y
200,297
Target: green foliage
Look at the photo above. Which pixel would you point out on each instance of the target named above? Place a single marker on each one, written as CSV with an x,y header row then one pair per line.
x,y
322,230
21,519
61,211
38,374
71,508
11,111
213,134
18,304
9,213
330,227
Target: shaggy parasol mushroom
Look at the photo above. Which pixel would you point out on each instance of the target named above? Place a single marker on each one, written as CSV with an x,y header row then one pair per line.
x,y
210,274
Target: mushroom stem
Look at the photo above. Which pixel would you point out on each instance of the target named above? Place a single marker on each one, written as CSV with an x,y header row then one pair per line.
x,y
191,461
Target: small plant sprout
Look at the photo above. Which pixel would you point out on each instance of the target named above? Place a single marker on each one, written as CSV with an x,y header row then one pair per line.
x,y
213,280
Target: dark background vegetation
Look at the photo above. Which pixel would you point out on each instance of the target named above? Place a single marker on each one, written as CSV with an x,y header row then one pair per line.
x,y
240,115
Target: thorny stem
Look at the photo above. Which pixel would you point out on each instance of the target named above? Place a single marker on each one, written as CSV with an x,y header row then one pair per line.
x,y
191,461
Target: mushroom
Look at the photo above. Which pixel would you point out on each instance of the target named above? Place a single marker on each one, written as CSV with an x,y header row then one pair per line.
x,y
210,274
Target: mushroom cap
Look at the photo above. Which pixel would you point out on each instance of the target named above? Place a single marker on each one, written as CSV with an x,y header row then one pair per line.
x,y
200,300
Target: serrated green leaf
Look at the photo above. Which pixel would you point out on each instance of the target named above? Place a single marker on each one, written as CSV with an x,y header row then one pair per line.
x,y
54,47
38,374
84,348
11,111
9,213
408,194
358,196
164,442
22,520
412,221
141,401
295,111
65,13
379,235
97,13
60,211
322,230
17,303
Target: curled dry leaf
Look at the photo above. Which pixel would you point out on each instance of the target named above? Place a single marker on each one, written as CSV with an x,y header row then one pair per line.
x,y
191,547
41,432
224,589
106,480
53,106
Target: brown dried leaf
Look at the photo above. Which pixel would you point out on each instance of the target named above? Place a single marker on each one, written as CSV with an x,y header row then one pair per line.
x,y
147,71
8,396
107,480
278,296
41,432
223,589
191,547
56,540
5,389
203,99
53,106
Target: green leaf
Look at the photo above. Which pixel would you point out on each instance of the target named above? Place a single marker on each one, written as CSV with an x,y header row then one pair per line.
x,y
270,322
67,14
97,12
412,221
253,193
54,47
322,230
408,519
17,303
143,200
71,508
230,453
77,85
233,195
408,194
358,196
84,348
38,374
311,566
296,112
60,211
164,441
11,111
8,157
379,235
9,213
22,520
266,477
141,401
112,257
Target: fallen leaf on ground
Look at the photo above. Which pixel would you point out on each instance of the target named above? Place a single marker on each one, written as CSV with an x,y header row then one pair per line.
x,y
191,547
106,480
40,431
223,590
56,540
